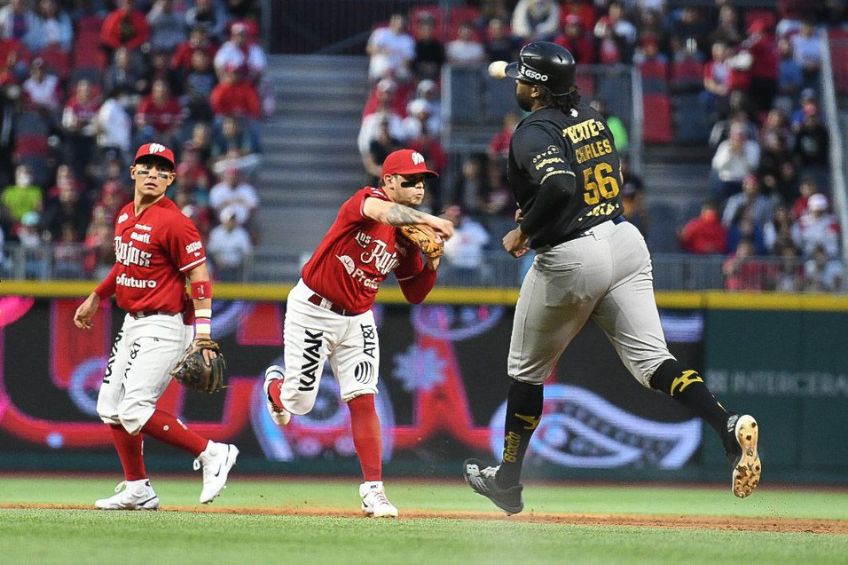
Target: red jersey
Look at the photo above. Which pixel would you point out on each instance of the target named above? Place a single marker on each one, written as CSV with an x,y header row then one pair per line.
x,y
357,254
153,251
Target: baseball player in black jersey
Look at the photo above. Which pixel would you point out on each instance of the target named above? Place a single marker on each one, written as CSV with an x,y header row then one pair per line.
x,y
590,264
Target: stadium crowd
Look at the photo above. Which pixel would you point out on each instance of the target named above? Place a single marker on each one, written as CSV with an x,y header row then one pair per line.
x,y
755,72
84,82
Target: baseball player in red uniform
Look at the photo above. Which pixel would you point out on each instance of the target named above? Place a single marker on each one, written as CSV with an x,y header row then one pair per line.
x,y
329,317
157,249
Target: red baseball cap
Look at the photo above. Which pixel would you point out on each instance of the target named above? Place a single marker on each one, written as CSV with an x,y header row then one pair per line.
x,y
155,150
406,162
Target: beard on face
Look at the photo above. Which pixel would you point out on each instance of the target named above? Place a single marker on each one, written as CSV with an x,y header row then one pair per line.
x,y
523,99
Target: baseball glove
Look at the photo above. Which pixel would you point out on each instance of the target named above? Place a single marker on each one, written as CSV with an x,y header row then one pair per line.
x,y
428,241
195,372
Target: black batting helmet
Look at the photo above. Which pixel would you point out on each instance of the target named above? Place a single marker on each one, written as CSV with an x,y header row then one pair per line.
x,y
546,64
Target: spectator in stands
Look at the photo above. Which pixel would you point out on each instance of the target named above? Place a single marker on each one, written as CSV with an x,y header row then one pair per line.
x,y
437,160
200,81
419,119
36,263
498,149
689,31
429,51
744,227
764,67
126,75
66,209
17,21
822,272
499,201
789,276
158,68
777,232
808,102
633,198
469,189
465,251
728,30
235,97
98,245
78,125
816,227
159,115
790,78
535,20
187,202
229,246
209,14
465,50
499,43
812,142
113,126
235,193
391,49
125,27
617,127
233,145
807,48
198,40
428,91
577,40
52,28
716,94
742,271
23,196
614,30
806,188
240,53
42,91
378,149
371,122
167,26
492,9
734,159
750,201
704,235
14,58
193,174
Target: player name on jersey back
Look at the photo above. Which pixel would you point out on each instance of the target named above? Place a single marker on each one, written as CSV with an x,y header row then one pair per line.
x,y
585,131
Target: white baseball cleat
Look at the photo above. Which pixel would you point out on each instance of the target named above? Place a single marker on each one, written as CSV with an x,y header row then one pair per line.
x,y
131,495
374,501
746,465
280,415
217,460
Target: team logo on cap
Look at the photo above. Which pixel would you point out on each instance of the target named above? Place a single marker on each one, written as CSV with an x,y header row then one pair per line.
x,y
417,158
530,73
156,148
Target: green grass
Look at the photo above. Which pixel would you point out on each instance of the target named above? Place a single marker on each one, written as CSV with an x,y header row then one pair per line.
x,y
85,536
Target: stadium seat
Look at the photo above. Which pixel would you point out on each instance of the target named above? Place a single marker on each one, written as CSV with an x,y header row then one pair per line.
x,y
56,61
31,123
687,75
839,58
654,76
691,122
766,15
31,145
657,113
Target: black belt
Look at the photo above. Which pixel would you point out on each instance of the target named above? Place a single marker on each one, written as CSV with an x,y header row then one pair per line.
x,y
146,313
582,233
319,300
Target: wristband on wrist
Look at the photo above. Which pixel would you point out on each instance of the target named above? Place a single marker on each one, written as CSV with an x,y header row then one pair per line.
x,y
201,290
203,326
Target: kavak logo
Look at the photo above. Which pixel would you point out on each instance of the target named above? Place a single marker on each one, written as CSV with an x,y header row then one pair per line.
x,y
311,356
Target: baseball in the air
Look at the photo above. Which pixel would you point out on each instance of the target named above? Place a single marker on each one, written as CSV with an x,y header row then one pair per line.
x,y
497,69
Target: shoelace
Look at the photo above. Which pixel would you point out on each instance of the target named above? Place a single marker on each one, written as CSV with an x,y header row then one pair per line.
x,y
381,497
490,472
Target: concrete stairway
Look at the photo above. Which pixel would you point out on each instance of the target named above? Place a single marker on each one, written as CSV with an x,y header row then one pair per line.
x,y
310,162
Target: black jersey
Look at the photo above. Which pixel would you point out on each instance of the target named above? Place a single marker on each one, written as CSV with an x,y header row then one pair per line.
x,y
550,142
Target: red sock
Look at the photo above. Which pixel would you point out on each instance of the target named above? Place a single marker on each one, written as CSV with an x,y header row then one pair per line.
x,y
129,452
168,429
365,426
274,390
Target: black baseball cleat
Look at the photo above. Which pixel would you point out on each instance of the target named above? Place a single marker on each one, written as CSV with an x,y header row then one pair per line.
x,y
740,445
482,481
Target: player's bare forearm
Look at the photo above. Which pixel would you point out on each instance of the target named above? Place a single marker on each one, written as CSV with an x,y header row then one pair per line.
x,y
196,275
397,215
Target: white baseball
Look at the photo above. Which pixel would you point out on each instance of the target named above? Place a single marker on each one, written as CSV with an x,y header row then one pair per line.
x,y
497,69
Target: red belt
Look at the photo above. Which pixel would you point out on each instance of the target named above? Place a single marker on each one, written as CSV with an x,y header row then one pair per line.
x,y
146,313
318,300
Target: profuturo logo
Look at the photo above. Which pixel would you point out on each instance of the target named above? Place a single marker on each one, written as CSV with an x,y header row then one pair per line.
x,y
581,429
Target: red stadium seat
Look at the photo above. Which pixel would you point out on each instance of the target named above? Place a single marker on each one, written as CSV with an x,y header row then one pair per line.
x,y
839,58
56,61
687,75
763,14
31,145
585,84
657,112
654,76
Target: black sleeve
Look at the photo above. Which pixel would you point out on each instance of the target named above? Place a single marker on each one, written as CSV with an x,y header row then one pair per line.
x,y
550,200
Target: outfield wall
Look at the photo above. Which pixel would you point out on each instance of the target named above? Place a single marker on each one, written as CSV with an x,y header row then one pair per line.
x,y
443,387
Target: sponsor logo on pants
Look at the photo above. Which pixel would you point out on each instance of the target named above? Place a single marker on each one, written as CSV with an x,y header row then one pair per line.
x,y
311,356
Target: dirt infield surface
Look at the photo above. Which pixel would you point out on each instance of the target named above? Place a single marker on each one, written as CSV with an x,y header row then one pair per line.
x,y
732,523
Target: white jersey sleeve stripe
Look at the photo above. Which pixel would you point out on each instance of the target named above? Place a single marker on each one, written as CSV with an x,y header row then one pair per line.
x,y
193,264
